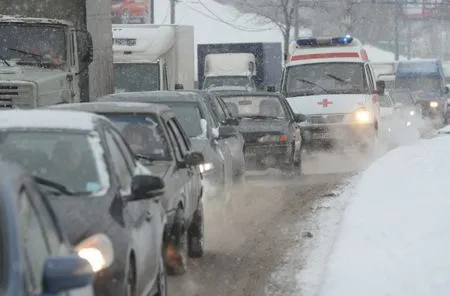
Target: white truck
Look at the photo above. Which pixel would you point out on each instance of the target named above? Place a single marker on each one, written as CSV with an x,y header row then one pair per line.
x,y
386,72
47,54
230,70
153,57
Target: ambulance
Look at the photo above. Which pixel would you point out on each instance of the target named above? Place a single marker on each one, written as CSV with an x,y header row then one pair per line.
x,y
331,81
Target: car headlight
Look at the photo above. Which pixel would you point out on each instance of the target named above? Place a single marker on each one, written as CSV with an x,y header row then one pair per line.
x,y
273,139
206,167
412,112
97,250
434,104
363,116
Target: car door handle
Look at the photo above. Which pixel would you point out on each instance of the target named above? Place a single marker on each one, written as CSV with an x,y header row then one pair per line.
x,y
148,216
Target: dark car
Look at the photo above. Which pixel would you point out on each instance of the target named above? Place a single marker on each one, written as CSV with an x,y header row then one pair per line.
x,y
35,255
405,103
95,186
223,117
193,114
158,140
270,129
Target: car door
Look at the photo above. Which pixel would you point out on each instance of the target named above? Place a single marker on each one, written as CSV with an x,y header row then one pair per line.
x,y
140,214
187,172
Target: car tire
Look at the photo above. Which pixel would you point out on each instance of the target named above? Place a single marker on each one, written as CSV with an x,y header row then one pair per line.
x,y
178,241
161,281
196,233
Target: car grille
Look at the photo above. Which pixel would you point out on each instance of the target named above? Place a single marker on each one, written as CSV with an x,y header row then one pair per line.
x,y
17,95
326,118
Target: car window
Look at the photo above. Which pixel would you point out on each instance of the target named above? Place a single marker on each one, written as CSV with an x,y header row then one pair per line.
x,y
402,97
179,137
120,166
33,238
124,148
214,113
175,144
251,106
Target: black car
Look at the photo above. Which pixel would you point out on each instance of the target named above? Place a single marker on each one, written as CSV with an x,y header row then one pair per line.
x,y
35,255
158,140
223,117
95,185
405,103
270,129
193,114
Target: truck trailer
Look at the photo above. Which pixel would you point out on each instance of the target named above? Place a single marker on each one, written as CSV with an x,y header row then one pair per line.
x,y
54,52
253,65
153,57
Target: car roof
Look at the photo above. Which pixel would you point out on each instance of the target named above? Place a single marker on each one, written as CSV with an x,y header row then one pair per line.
x,y
48,119
250,94
152,96
114,107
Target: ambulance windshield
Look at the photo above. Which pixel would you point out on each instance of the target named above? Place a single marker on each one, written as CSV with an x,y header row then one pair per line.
x,y
325,78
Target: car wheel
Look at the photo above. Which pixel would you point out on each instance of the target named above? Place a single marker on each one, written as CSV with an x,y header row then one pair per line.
x,y
161,282
130,288
176,249
196,233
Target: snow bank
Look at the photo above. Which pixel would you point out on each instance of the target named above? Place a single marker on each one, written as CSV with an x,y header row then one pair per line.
x,y
394,237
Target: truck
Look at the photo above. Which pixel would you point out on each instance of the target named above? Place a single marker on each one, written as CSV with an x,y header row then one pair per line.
x,y
248,65
151,57
54,52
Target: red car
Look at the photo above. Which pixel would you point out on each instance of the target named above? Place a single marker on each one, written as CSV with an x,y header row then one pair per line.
x,y
130,11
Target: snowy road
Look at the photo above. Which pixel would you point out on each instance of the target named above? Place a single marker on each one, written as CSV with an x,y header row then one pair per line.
x,y
242,255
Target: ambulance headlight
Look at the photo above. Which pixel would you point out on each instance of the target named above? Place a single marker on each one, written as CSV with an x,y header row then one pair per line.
x,y
362,116
434,104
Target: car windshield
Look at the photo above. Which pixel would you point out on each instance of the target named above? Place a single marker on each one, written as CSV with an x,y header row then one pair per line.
x,y
325,78
226,81
427,84
143,133
70,159
255,106
404,98
189,116
33,45
385,102
130,77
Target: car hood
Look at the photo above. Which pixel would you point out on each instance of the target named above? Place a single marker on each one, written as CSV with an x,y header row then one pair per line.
x,y
340,103
262,125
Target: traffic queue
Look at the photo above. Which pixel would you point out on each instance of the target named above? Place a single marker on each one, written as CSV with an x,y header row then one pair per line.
x,y
112,191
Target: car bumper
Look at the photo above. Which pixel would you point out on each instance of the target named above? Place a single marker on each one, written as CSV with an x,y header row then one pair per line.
x,y
318,136
260,156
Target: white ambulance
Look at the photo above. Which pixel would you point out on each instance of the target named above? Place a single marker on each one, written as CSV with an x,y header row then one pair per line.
x,y
331,81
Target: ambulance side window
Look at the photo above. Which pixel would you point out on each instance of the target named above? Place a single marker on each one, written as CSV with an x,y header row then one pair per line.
x,y
370,79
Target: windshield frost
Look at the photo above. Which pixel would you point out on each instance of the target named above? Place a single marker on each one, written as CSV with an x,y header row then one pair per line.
x,y
131,77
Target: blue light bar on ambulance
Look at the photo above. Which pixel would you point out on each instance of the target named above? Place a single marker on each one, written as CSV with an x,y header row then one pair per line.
x,y
316,42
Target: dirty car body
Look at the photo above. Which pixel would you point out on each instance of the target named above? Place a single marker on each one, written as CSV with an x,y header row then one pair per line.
x,y
95,185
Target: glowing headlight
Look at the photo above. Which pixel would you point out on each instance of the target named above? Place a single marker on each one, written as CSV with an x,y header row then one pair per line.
x,y
412,112
434,104
273,139
363,116
205,167
97,250
94,257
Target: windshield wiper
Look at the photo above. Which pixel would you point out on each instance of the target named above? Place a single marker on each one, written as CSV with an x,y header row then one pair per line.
x,y
343,81
58,186
5,61
260,117
37,57
313,84
144,157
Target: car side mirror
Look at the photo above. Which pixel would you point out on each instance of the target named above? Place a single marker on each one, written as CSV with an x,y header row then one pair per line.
x,y
194,159
65,273
232,121
299,117
381,86
146,187
227,131
446,90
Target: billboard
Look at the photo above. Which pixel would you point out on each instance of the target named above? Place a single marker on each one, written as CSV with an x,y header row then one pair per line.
x,y
131,11
426,9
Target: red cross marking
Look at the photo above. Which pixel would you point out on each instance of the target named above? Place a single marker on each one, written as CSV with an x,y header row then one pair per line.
x,y
325,103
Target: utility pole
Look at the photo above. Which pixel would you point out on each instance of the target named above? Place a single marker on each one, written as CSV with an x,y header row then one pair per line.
x,y
296,20
409,39
173,4
396,30
152,11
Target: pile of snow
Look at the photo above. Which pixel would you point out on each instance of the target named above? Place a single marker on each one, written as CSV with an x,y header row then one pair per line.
x,y
378,55
394,236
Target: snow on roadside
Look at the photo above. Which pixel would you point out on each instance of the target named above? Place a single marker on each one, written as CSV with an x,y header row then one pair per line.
x,y
315,235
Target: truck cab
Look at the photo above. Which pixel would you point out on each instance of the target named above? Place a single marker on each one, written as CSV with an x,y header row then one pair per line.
x,y
331,81
40,61
230,70
153,57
